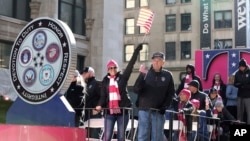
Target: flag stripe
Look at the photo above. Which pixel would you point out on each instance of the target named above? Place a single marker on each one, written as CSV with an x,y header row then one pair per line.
x,y
145,19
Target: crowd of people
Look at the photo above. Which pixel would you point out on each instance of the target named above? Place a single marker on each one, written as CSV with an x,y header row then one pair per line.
x,y
156,93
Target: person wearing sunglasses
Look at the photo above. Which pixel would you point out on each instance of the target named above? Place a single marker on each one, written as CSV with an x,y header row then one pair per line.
x,y
114,97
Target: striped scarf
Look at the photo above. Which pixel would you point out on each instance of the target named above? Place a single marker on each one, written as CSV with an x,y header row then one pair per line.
x,y
188,79
217,87
214,132
181,118
114,96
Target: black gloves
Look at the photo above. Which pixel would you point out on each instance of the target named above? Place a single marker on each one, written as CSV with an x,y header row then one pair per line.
x,y
139,47
162,110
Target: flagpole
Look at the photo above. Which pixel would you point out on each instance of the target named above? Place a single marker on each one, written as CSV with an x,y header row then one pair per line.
x,y
144,37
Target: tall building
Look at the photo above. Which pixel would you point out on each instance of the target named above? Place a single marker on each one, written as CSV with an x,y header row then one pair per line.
x,y
180,27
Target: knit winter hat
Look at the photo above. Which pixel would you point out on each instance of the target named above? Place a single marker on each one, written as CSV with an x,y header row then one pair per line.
x,y
112,63
196,103
213,90
76,74
243,63
194,83
219,103
88,69
186,92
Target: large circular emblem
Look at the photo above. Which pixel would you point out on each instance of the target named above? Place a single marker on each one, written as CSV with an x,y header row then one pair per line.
x,y
41,60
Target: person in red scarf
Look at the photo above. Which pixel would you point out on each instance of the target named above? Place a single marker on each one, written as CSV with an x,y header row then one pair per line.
x,y
114,96
185,108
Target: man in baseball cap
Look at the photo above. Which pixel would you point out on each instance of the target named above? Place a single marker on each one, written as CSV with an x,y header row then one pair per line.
x,y
159,55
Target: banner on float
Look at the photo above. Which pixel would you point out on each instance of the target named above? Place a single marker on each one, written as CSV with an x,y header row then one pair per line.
x,y
205,24
241,12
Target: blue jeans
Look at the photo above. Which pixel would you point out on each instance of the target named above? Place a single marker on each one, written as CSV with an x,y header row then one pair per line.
x,y
110,120
151,125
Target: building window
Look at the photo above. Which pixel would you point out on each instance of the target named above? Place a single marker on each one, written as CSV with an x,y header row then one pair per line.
x,y
185,1
170,51
129,50
142,30
5,51
130,3
170,2
143,3
75,15
18,9
129,26
223,19
80,62
186,50
185,21
144,53
170,23
222,43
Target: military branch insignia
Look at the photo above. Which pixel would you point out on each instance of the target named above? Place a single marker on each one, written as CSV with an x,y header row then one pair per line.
x,y
41,59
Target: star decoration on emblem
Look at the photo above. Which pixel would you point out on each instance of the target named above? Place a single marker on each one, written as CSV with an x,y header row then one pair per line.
x,y
207,56
40,23
18,87
64,44
38,60
52,90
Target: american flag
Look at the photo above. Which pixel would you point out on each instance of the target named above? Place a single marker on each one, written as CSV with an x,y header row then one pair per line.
x,y
145,19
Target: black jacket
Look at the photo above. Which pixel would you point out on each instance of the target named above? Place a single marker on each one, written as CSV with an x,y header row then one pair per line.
x,y
201,96
242,82
155,89
122,80
74,96
93,93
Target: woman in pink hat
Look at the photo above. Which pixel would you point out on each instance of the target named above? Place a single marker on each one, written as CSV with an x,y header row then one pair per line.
x,y
114,96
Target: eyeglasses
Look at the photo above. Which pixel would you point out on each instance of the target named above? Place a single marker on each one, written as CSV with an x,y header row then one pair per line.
x,y
112,68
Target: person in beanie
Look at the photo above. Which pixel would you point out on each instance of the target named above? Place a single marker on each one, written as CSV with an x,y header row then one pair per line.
x,y
93,88
185,108
242,82
205,102
214,96
114,96
93,92
189,76
226,118
155,89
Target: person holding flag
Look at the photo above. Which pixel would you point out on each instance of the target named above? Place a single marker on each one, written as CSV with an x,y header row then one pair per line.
x,y
155,90
114,96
